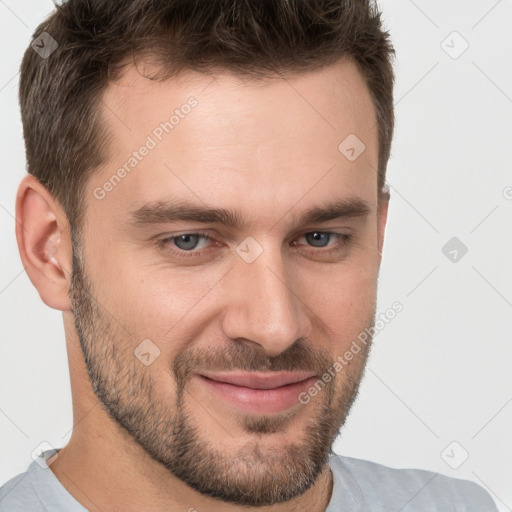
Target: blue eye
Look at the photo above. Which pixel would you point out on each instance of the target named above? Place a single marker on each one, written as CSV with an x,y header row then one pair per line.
x,y
187,241
318,236
186,244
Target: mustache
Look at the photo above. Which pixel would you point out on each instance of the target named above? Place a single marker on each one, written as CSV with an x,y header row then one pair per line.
x,y
243,357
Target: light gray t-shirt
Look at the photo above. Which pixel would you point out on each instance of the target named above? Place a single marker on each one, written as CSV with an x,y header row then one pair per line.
x,y
358,485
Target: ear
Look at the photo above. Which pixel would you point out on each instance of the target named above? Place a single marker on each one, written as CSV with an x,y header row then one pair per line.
x,y
382,216
44,242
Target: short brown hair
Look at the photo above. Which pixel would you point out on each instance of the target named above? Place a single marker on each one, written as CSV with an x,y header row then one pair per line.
x,y
60,95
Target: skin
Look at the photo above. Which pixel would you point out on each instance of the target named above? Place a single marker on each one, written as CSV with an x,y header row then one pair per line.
x,y
270,151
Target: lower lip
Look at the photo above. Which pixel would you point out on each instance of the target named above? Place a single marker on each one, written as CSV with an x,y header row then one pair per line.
x,y
259,401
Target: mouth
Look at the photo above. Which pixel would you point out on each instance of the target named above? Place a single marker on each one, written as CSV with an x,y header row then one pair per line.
x,y
258,392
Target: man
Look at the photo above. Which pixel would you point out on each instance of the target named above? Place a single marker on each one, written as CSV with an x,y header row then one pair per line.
x,y
206,205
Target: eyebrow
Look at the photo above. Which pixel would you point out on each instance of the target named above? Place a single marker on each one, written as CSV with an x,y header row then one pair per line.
x,y
162,212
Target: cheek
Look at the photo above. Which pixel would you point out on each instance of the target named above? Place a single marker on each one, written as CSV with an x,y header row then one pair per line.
x,y
142,289
342,300
165,305
347,305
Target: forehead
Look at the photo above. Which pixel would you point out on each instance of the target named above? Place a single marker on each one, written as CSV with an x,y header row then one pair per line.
x,y
222,139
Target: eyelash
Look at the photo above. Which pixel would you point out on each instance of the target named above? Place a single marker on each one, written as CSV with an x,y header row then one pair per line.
x,y
167,244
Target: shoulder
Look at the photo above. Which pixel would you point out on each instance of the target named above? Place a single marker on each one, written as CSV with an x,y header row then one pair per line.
x,y
18,495
411,489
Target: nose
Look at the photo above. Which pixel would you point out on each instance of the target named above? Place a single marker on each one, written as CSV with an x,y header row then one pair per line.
x,y
263,307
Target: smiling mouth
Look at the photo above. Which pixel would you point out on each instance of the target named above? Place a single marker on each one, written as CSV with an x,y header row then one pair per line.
x,y
258,392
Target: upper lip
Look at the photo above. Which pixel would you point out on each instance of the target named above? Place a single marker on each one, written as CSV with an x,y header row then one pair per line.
x,y
259,380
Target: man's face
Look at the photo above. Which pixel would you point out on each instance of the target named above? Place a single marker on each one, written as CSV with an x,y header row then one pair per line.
x,y
165,322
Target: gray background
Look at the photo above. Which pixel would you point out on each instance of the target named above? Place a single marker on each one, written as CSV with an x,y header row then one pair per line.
x,y
438,385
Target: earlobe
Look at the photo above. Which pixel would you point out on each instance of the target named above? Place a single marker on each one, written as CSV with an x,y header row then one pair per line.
x,y
42,234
